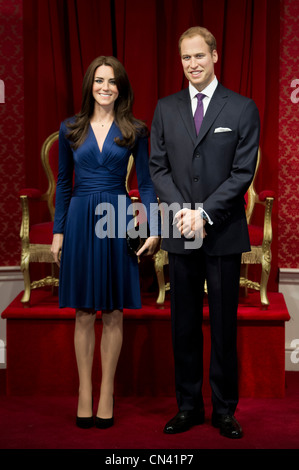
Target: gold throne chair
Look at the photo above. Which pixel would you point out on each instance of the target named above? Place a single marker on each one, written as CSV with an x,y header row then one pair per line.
x,y
260,240
36,238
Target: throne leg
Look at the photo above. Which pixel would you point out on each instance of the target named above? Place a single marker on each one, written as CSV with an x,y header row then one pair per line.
x,y
161,283
25,253
27,283
266,267
266,250
161,259
244,275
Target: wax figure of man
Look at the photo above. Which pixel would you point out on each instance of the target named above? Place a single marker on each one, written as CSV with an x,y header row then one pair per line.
x,y
205,173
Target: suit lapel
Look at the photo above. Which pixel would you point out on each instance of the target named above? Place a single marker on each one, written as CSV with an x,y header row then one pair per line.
x,y
217,102
185,110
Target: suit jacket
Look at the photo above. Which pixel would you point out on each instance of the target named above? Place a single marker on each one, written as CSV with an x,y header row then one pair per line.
x,y
214,169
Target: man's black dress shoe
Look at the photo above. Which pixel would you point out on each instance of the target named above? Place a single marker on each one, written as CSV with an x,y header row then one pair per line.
x,y
183,421
229,426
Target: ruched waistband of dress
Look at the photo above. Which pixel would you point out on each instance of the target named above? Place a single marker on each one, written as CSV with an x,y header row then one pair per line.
x,y
81,192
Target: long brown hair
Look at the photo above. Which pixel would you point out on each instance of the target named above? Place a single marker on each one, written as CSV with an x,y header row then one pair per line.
x,y
129,126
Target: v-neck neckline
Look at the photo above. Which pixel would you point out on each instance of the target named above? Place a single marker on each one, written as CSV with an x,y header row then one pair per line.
x,y
104,142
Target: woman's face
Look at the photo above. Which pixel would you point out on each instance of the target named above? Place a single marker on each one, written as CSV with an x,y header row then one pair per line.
x,y
104,89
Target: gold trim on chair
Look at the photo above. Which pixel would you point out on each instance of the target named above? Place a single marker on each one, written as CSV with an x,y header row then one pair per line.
x,y
50,193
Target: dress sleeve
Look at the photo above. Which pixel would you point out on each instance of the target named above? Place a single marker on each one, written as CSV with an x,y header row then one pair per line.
x,y
64,181
145,185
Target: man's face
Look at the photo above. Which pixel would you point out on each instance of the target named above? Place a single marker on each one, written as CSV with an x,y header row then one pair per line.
x,y
198,61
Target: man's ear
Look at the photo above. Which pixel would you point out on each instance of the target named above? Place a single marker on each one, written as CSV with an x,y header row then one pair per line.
x,y
215,56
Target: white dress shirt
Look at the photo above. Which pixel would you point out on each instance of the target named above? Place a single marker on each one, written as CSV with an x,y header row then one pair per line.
x,y
208,91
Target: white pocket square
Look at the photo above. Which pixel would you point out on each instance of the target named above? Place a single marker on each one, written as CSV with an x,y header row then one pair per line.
x,y
222,129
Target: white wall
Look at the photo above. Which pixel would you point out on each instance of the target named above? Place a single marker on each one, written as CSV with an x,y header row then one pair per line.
x,y
289,287
11,284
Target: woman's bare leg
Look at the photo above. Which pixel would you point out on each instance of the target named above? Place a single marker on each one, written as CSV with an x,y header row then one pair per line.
x,y
84,348
111,343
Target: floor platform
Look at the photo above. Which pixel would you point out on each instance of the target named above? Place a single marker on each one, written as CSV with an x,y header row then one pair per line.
x,y
41,360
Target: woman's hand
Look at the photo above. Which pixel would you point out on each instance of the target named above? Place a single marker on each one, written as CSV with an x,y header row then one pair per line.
x,y
56,247
149,246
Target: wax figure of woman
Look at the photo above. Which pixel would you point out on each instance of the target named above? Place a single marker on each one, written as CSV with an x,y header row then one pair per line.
x,y
96,271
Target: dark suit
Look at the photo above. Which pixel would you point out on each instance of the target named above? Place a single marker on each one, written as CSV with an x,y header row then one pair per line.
x,y
215,169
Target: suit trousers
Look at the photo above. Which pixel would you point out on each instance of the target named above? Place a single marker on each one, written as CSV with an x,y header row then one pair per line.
x,y
187,277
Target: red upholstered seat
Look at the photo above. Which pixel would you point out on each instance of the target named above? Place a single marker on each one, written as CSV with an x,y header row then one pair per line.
x,y
41,233
255,235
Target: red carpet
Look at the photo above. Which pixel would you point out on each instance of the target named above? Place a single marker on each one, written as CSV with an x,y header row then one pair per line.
x,y
48,423
38,402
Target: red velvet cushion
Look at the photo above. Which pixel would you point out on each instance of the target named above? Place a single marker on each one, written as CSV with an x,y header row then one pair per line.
x,y
134,193
41,233
30,192
255,235
267,193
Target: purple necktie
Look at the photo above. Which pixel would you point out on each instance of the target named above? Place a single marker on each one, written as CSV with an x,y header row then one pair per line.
x,y
198,116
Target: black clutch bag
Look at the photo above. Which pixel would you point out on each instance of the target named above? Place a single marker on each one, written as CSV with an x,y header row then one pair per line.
x,y
136,242
133,244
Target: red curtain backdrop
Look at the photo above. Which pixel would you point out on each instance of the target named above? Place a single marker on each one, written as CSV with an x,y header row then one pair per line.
x,y
61,38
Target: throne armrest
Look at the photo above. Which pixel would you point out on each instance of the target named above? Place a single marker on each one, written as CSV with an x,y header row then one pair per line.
x,y
267,239
266,198
25,223
25,194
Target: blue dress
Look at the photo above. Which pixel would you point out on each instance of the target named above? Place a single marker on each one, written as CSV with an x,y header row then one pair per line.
x,y
96,271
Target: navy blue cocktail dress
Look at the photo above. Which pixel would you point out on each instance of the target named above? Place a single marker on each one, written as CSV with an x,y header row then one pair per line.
x,y
96,271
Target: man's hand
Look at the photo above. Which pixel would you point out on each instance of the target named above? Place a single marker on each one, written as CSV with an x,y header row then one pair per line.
x,y
190,223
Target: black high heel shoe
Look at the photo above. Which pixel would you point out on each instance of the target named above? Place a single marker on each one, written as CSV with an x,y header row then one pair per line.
x,y
85,423
104,423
